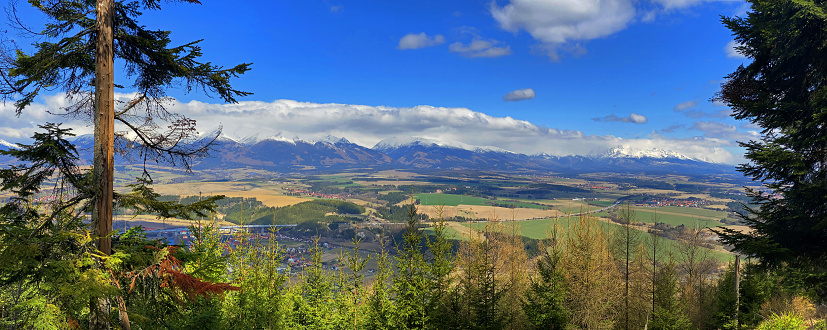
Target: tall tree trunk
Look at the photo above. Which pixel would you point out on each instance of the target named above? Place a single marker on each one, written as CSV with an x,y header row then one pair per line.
x,y
103,163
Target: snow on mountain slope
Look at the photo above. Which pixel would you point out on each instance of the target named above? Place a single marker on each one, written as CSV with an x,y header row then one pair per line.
x,y
627,152
7,145
407,141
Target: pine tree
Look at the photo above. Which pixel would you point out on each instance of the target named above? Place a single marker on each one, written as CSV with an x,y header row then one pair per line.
x,y
410,284
782,90
725,308
544,303
670,313
380,308
440,266
351,285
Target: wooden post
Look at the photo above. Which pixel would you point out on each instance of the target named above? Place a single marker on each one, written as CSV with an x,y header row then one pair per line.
x,y
737,288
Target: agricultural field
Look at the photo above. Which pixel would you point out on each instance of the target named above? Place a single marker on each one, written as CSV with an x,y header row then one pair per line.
x,y
535,203
676,216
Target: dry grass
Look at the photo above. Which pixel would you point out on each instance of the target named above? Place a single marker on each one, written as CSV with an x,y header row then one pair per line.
x,y
270,195
489,212
396,174
738,228
152,222
267,197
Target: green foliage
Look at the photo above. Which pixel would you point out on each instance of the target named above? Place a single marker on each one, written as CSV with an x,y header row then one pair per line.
x,y
306,211
312,302
782,322
725,309
393,197
440,266
46,252
50,269
783,90
255,267
380,308
545,300
393,213
670,314
410,285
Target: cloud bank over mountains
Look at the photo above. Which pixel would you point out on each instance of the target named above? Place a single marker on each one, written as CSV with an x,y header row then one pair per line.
x,y
367,125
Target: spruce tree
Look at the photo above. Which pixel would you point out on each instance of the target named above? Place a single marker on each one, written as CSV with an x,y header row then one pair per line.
x,y
670,313
783,89
544,303
411,284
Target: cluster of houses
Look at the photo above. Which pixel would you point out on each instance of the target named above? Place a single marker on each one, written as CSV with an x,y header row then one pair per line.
x,y
301,192
661,201
591,186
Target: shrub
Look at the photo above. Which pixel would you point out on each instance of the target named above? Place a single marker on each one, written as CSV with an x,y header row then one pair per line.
x,y
782,322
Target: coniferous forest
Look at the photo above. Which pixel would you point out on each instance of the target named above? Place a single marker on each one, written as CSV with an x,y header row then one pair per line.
x,y
58,271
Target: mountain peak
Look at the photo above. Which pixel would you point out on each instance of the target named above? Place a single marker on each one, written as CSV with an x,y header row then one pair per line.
x,y
329,139
629,152
261,137
403,141
7,144
406,141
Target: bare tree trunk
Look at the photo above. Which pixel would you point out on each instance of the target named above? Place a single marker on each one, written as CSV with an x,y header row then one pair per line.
x,y
737,289
103,163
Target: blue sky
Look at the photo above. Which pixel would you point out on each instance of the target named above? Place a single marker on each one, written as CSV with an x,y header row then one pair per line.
x,y
603,73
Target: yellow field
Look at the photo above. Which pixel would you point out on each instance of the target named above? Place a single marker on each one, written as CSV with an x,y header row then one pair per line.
x,y
267,197
150,221
488,212
270,195
400,184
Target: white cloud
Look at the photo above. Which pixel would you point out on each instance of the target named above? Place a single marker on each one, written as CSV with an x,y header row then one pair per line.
x,y
367,125
559,25
480,48
685,105
731,51
632,118
752,126
675,4
714,127
519,95
724,131
558,22
420,40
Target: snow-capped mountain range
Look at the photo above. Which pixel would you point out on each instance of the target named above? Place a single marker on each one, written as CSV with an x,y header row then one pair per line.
x,y
628,152
277,152
399,142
